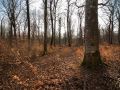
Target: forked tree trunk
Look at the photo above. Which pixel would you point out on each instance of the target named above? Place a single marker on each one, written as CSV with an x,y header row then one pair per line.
x,y
92,56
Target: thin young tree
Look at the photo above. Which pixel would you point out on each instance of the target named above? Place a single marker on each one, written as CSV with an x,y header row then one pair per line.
x,y
60,31
118,19
45,27
28,22
52,23
118,26
2,27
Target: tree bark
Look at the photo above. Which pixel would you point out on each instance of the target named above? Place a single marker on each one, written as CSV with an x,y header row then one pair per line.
x,y
52,27
45,27
59,31
112,29
55,27
28,18
119,30
1,29
68,24
28,22
92,56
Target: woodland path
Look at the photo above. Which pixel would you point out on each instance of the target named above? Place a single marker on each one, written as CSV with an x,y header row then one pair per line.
x,y
59,70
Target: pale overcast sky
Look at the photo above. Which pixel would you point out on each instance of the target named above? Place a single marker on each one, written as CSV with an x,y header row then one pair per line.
x,y
37,4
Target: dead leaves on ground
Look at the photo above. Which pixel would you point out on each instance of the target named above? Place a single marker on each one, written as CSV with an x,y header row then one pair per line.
x,y
60,70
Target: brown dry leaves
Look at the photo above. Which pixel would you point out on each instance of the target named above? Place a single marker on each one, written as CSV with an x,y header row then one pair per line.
x,y
59,70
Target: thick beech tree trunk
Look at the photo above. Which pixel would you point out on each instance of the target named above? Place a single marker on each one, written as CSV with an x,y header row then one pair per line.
x,y
92,56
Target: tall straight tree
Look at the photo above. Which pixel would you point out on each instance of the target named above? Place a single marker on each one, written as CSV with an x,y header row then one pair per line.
x,y
2,27
45,27
60,31
55,13
92,56
118,19
52,23
119,27
69,36
28,22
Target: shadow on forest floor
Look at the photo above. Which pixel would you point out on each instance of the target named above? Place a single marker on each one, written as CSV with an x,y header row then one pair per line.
x,y
92,80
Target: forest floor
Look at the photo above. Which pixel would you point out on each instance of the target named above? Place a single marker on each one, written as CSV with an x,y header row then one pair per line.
x,y
59,70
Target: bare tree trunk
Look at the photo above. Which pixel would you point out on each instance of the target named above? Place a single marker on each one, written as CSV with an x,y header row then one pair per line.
x,y
70,34
19,31
28,22
13,17
68,23
80,33
112,27
14,26
65,37
119,30
28,18
2,27
45,27
55,10
55,28
68,26
51,16
92,56
60,31
109,32
10,34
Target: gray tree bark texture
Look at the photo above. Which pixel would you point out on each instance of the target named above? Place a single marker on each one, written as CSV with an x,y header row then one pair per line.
x,y
68,24
28,18
28,23
92,56
52,24
60,31
45,27
119,30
